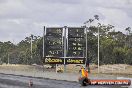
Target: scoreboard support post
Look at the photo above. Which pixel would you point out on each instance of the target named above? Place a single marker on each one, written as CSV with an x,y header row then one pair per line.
x,y
43,40
65,48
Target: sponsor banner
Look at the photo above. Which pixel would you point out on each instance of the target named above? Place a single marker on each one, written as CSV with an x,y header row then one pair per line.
x,y
53,60
75,61
110,82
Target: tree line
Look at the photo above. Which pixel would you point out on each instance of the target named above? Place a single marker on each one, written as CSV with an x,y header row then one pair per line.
x,y
115,46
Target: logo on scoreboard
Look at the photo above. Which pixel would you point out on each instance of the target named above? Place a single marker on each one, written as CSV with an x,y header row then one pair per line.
x,y
53,60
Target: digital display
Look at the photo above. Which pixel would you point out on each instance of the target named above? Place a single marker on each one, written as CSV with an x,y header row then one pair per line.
x,y
54,42
76,42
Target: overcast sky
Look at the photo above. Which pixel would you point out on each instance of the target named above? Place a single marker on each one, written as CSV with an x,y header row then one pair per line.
x,y
20,18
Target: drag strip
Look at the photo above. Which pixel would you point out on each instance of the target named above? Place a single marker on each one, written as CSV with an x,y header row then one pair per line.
x,y
15,81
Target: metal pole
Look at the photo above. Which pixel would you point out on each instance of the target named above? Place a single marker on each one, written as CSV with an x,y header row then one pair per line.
x,y
31,45
43,40
56,68
98,50
8,59
43,45
65,48
86,46
0,61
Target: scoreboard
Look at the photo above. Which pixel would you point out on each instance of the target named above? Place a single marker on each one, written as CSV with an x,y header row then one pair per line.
x,y
64,45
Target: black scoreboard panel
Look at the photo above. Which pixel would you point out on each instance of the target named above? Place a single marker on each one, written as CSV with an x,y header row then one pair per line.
x,y
76,42
54,42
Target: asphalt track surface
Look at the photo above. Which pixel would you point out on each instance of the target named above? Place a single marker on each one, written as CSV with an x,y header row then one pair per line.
x,y
14,81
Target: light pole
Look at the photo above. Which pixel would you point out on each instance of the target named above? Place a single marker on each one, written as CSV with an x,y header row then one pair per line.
x,y
97,18
86,54
89,21
31,46
98,50
8,59
86,46
43,46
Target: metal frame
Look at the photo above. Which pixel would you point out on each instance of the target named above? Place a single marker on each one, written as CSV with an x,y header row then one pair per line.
x,y
64,41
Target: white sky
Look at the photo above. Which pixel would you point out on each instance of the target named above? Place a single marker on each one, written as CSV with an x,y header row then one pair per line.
x,y
20,18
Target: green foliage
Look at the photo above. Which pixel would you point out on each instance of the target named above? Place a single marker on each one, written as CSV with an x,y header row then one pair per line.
x,y
21,53
115,47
